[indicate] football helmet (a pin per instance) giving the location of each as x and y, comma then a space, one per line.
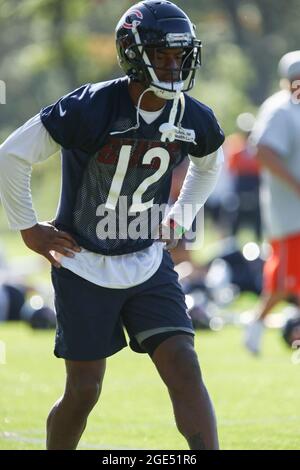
157, 24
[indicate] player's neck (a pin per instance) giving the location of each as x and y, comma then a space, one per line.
150, 102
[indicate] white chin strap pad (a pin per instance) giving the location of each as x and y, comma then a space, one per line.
168, 129
168, 132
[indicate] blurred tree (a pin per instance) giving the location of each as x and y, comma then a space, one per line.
264, 30
49, 47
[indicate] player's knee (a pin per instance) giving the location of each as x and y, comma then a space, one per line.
185, 375
188, 367
84, 393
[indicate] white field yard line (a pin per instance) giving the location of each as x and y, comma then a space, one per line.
27, 436
19, 437
260, 421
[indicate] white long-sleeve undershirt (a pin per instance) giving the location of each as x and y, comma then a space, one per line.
28, 145
200, 181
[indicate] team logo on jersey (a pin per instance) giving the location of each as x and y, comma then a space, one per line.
134, 23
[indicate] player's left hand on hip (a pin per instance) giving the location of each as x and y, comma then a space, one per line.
169, 234
170, 244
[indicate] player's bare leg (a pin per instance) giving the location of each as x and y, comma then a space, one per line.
68, 417
268, 302
254, 331
178, 366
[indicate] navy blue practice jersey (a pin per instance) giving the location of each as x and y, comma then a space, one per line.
114, 182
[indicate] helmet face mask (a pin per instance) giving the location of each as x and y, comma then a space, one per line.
153, 26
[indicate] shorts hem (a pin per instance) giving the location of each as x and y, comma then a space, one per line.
95, 357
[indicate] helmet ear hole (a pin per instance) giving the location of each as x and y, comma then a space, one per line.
130, 54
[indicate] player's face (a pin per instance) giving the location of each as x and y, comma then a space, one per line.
167, 63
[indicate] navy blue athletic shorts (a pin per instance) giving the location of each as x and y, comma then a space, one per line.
91, 319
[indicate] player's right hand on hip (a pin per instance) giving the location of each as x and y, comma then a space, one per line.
43, 238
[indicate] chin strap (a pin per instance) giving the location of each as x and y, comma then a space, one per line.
168, 129
137, 126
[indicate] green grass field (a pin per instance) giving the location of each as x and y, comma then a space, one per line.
256, 400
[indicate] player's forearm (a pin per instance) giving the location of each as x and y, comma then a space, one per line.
199, 183
271, 161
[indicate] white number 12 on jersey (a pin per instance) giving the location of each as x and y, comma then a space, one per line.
119, 176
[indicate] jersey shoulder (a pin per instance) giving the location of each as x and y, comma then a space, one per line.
209, 134
77, 119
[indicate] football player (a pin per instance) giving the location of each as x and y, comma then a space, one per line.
120, 141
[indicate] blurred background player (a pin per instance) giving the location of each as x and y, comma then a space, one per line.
276, 136
244, 168
234, 204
